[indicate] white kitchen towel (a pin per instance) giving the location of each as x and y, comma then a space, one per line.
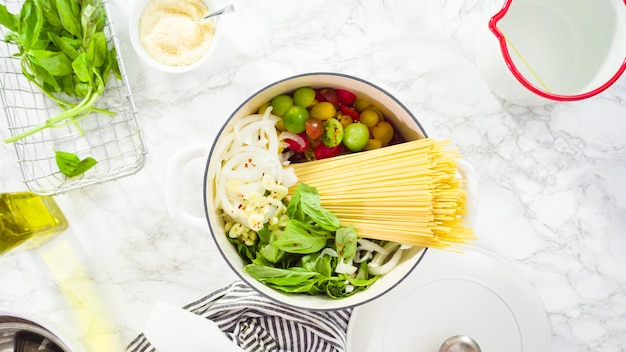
258, 324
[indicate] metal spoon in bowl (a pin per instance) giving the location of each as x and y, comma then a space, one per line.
227, 9
459, 343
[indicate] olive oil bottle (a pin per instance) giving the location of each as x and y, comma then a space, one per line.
29, 219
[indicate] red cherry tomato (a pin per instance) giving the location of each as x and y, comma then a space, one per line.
345, 97
323, 152
329, 95
314, 128
297, 147
346, 110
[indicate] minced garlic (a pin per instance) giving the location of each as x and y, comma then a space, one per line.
170, 32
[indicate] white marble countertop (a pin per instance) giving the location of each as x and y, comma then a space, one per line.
552, 179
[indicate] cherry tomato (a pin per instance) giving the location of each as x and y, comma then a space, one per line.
373, 144
370, 118
280, 104
345, 120
323, 110
345, 97
346, 110
323, 152
297, 147
304, 96
356, 136
333, 133
329, 95
263, 107
383, 131
295, 119
314, 128
361, 104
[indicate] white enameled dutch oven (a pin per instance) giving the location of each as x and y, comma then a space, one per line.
393, 110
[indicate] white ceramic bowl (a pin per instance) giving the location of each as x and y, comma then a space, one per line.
393, 110
133, 32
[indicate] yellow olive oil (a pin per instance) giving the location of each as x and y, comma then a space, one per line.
29, 219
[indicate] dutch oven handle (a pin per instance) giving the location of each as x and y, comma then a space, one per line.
174, 182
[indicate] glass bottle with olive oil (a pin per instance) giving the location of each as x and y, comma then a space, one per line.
28, 219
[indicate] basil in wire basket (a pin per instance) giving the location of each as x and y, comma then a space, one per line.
63, 50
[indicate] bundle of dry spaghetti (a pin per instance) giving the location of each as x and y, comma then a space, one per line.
408, 193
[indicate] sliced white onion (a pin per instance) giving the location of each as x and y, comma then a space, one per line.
367, 245
248, 154
375, 268
345, 268
358, 258
330, 252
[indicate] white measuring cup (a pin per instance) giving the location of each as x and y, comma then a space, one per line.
534, 52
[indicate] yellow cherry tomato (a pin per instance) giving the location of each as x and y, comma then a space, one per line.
360, 104
369, 118
345, 120
263, 107
373, 144
383, 132
323, 110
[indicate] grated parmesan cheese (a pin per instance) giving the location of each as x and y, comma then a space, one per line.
170, 32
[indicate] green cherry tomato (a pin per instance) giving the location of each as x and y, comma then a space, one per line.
304, 97
280, 104
295, 118
355, 136
333, 133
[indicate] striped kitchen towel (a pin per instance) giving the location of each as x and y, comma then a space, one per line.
258, 324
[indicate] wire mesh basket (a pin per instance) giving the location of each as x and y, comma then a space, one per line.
116, 142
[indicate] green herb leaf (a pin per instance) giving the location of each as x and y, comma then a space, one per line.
7, 19
306, 202
302, 238
82, 68
71, 165
318, 263
54, 62
97, 52
67, 45
30, 23
68, 15
346, 242
50, 12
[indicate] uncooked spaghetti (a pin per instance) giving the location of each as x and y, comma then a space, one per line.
407, 193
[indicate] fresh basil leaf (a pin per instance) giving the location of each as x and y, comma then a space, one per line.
54, 62
69, 46
7, 19
318, 263
71, 165
67, 85
287, 280
82, 68
97, 52
50, 12
30, 23
298, 238
271, 252
346, 242
306, 202
92, 18
68, 15
81, 89
40, 75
